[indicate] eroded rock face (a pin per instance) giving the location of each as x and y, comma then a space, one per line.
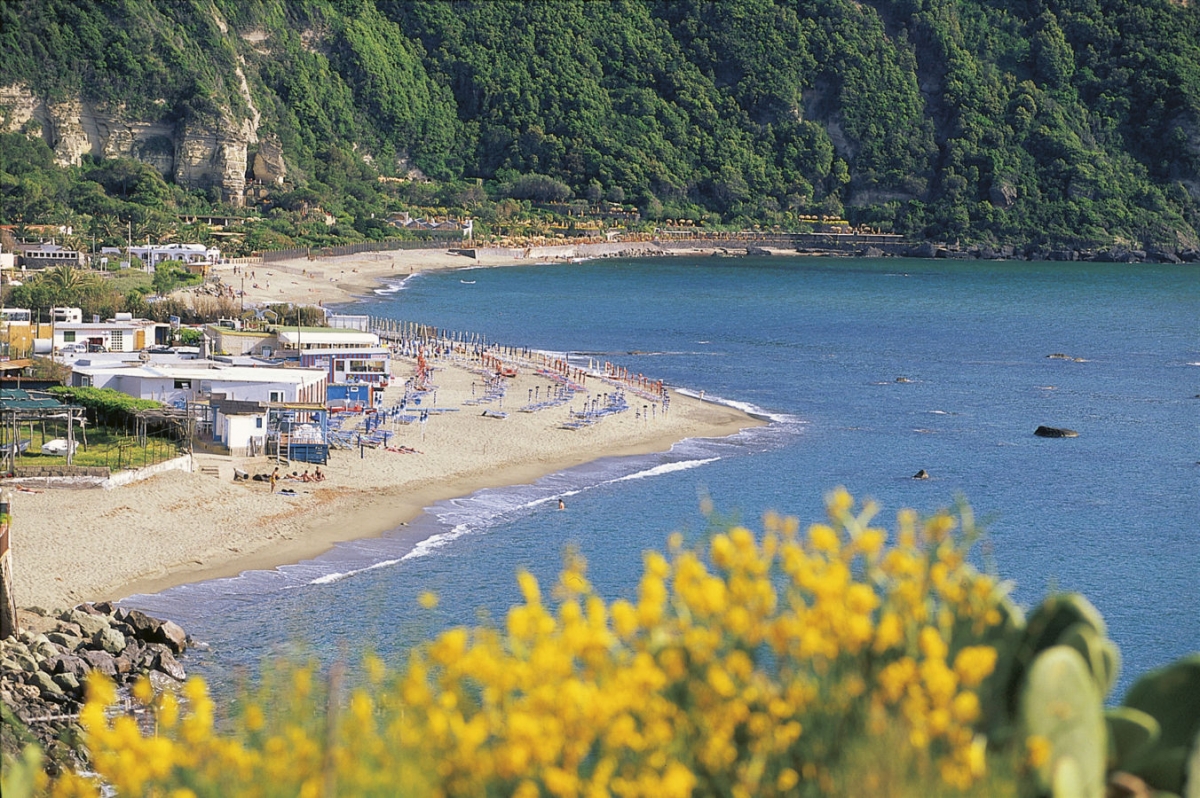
196, 154
18, 107
207, 156
269, 167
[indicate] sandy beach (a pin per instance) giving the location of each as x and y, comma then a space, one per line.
71, 546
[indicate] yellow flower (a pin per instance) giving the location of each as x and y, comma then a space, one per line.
529, 588
965, 708
974, 664
932, 644
142, 690
1037, 750
823, 538
889, 632
677, 782
839, 501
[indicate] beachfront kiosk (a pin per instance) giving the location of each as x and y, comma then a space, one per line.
298, 432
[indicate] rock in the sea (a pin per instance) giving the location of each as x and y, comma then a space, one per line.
1055, 432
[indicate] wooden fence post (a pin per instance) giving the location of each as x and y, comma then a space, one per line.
8, 602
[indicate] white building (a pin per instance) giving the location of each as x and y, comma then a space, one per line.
293, 341
122, 334
66, 315
178, 384
364, 364
286, 342
190, 254
240, 426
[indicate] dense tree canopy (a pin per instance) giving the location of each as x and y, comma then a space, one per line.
1074, 121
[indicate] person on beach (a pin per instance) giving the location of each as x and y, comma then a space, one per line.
318, 476
274, 478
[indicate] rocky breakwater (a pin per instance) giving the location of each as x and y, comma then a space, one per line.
44, 667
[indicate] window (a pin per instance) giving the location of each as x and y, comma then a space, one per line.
68, 336
277, 397
117, 342
364, 366
183, 385
258, 422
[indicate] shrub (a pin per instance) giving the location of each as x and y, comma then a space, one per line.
747, 666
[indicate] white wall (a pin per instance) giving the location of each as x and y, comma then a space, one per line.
238, 431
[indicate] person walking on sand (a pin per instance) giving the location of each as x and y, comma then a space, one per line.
274, 478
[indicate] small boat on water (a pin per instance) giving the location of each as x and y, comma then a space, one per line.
467, 282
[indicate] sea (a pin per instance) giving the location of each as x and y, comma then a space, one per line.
867, 370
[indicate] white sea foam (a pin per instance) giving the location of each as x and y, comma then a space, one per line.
666, 468
329, 579
745, 407
395, 287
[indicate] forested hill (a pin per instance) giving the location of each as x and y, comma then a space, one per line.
1072, 121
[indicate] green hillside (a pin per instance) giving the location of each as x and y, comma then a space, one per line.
1070, 122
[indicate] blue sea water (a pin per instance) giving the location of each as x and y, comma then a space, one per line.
869, 369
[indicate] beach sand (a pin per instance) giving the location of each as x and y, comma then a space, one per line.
71, 546
341, 279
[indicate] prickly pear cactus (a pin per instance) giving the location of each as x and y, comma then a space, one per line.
1045, 628
1192, 789
1055, 615
1172, 696
1061, 703
1131, 733
995, 692
1100, 653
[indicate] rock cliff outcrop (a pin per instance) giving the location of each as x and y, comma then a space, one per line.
195, 153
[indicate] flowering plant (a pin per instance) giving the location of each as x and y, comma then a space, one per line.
748, 666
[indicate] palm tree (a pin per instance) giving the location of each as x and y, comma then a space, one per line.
67, 278
109, 228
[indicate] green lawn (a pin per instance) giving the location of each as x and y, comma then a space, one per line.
110, 449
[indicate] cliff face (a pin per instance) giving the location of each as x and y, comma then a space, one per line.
194, 154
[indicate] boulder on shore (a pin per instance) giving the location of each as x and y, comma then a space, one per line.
44, 666
1055, 432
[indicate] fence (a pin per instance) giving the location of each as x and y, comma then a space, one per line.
435, 240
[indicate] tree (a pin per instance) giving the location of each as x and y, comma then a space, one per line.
169, 275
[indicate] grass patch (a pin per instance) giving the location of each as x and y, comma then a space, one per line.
105, 448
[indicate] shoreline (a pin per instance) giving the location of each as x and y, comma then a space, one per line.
377, 517
178, 527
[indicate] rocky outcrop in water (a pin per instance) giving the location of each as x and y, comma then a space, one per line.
44, 668
1055, 432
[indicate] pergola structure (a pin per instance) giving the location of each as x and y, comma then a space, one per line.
18, 408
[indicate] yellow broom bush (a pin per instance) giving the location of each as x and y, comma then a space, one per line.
749, 666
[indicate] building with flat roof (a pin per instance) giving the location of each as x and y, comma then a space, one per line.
189, 254
122, 334
46, 256
178, 384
